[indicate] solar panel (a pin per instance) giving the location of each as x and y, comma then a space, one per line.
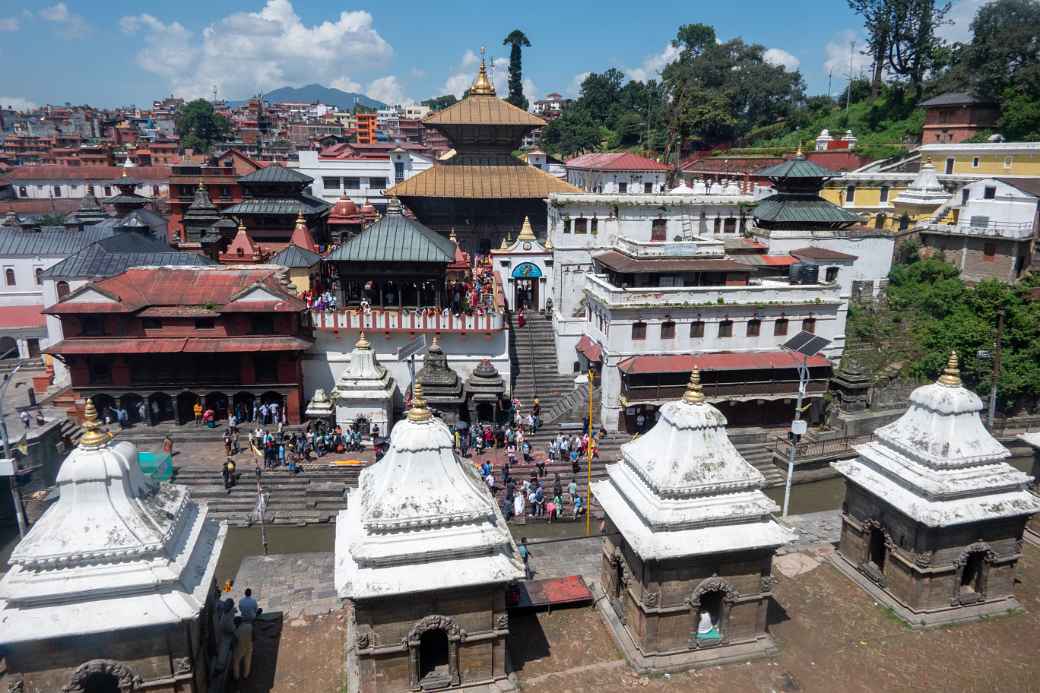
806, 343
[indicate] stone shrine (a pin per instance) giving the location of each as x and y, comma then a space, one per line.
442, 385
933, 516
424, 557
320, 408
485, 392
688, 544
364, 390
113, 588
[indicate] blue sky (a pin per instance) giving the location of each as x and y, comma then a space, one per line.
121, 51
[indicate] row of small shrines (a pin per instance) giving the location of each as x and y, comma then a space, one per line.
365, 391
114, 586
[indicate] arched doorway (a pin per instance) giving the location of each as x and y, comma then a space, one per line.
132, 404
105, 406
526, 277
877, 549
186, 406
103, 676
711, 602
160, 408
243, 402
218, 402
433, 658
101, 682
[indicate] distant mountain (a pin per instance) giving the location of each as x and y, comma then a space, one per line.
344, 100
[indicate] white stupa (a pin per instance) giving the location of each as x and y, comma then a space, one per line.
364, 389
683, 489
117, 551
925, 190
937, 463
421, 520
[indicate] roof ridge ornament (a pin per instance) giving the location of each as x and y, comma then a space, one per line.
419, 411
482, 86
526, 232
93, 437
951, 375
362, 342
694, 391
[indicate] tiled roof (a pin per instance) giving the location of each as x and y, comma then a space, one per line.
278, 206
790, 208
117, 253
822, 254
953, 98
483, 110
296, 257
718, 361
471, 176
276, 174
615, 161
90, 173
798, 167
52, 241
20, 317
187, 345
396, 238
1026, 185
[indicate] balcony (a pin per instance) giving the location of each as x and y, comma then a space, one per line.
762, 292
407, 320
1014, 231
696, 247
745, 390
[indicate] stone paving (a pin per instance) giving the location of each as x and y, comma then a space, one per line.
297, 584
814, 529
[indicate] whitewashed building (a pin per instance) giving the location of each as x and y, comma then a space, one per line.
358, 172
364, 390
523, 268
617, 173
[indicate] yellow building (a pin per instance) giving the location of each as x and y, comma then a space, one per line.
1004, 159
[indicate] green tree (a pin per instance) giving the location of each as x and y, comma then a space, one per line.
877, 20
1004, 51
439, 103
200, 127
517, 41
914, 46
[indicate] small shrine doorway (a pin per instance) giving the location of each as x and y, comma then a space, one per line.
877, 549
433, 658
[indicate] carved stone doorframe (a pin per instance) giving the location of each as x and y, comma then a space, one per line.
961, 564
413, 641
128, 680
729, 593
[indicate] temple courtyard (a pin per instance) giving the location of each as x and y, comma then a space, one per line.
831, 636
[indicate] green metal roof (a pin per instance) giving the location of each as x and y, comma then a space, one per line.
396, 238
279, 206
797, 167
296, 257
276, 174
810, 209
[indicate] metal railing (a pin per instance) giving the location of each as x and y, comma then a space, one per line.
764, 388
994, 229
814, 449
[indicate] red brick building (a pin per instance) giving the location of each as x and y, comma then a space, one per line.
220, 178
168, 337
955, 116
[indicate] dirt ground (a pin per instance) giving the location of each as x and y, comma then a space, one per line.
831, 635
303, 655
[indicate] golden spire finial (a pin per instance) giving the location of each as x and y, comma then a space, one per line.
694, 391
452, 236
241, 226
928, 161
201, 186
526, 232
93, 436
362, 342
505, 243
548, 244
300, 219
419, 411
435, 345
951, 375
482, 85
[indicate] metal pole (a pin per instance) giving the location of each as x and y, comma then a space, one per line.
996, 367
588, 465
16, 498
261, 505
803, 381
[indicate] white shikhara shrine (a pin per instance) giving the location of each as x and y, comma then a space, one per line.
364, 389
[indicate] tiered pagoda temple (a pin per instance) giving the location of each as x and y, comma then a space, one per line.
365, 390
424, 557
688, 544
482, 191
273, 197
205, 228
90, 210
113, 588
933, 517
797, 204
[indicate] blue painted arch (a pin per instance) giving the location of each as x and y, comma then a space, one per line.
527, 270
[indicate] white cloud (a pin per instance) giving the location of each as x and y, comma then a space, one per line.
389, 90
67, 23
8, 24
346, 84
959, 19
652, 66
781, 58
18, 103
249, 51
574, 88
498, 71
837, 52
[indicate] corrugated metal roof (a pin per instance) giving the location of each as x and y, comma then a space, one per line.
276, 174
483, 110
295, 256
619, 262
814, 253
396, 238
953, 98
167, 345
615, 161
479, 177
718, 361
96, 260
798, 167
279, 206
53, 241
786, 207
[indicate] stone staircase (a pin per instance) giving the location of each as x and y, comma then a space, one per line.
532, 350
755, 444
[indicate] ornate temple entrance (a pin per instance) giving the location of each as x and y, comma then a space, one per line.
526, 277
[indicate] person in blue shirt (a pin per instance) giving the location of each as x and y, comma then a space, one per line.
525, 554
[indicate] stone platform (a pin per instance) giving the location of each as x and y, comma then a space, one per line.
297, 584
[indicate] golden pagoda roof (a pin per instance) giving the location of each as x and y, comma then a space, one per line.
483, 110
482, 177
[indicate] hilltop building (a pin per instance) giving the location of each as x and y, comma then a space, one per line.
688, 544
953, 117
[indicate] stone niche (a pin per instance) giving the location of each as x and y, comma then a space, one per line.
431, 641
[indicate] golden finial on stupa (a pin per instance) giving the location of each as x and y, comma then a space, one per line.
124, 173
452, 236
505, 243
435, 345
526, 232
951, 375
300, 219
694, 391
241, 226
482, 85
93, 436
201, 186
362, 342
548, 244
419, 410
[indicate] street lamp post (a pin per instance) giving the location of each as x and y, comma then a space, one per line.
804, 344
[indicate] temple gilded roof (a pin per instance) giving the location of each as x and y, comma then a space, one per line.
483, 110
476, 176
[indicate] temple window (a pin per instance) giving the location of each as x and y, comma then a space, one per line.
648, 188
754, 327
726, 328
262, 324
9, 276
659, 230
581, 225
832, 275
594, 226
38, 272
622, 187
709, 616
205, 323
850, 194
780, 327
352, 183
668, 330
638, 331
730, 225
566, 225
91, 326
697, 329
809, 325
883, 195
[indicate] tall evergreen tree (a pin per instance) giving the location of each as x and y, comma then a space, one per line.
517, 42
